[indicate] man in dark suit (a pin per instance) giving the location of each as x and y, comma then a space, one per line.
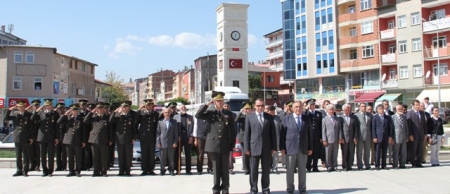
316, 127
23, 136
331, 136
277, 121
296, 143
201, 129
86, 150
350, 135
74, 138
388, 113
220, 140
186, 127
61, 152
147, 120
167, 140
100, 138
364, 129
429, 124
400, 137
35, 160
417, 134
260, 143
125, 132
382, 131
240, 122
48, 135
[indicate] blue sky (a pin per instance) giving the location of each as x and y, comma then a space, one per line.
134, 38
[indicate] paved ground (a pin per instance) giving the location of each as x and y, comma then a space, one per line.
425, 180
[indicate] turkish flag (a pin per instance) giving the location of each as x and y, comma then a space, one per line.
235, 63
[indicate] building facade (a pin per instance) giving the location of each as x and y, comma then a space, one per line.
100, 90
7, 38
270, 83
205, 71
155, 80
141, 90
188, 87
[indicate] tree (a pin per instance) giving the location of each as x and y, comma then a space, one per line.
180, 99
115, 92
254, 84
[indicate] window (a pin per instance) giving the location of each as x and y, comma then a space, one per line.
367, 51
353, 31
331, 62
17, 57
443, 69
392, 73
437, 14
297, 25
366, 27
366, 4
416, 44
38, 83
270, 79
29, 57
391, 24
319, 64
330, 40
324, 16
442, 42
402, 45
316, 4
351, 9
304, 45
392, 48
318, 42
415, 19
74, 88
353, 54
322, 3
403, 72
305, 66
401, 21
325, 63
235, 83
76, 65
330, 15
303, 24
83, 67
17, 83
317, 22
303, 6
418, 70
324, 38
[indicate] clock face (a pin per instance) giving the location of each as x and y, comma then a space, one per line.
235, 35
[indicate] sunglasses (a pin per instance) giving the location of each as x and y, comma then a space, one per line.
259, 105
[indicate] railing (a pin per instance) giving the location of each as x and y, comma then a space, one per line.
438, 24
387, 34
383, 3
430, 52
348, 40
275, 55
389, 58
347, 17
349, 63
344, 1
274, 43
392, 83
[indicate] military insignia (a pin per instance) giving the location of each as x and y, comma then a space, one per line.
188, 122
226, 123
317, 115
129, 123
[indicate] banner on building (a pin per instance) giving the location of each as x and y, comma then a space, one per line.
55, 87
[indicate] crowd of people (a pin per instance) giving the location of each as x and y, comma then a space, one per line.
84, 136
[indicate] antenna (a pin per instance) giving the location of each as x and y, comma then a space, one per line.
10, 28
428, 74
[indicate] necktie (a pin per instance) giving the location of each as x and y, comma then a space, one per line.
365, 119
260, 119
401, 121
382, 118
332, 121
418, 115
346, 119
299, 123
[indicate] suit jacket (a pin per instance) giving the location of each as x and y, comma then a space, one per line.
101, 132
316, 122
296, 139
260, 140
277, 122
23, 130
331, 129
221, 136
125, 129
364, 127
147, 122
166, 137
349, 129
189, 124
401, 134
240, 123
48, 129
74, 133
417, 127
382, 129
390, 113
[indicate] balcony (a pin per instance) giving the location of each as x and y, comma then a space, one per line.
348, 40
349, 63
442, 24
431, 54
390, 58
387, 35
385, 3
347, 19
274, 43
340, 2
275, 55
391, 83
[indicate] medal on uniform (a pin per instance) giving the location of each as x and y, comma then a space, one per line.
188, 122
129, 123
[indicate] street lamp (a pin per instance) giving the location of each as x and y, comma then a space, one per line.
438, 61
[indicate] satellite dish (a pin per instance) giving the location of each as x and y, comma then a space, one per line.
275, 104
428, 74
383, 77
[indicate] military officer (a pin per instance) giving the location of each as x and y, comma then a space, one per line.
316, 127
287, 109
61, 152
48, 135
125, 132
100, 138
240, 122
220, 140
86, 150
74, 138
147, 120
34, 147
23, 136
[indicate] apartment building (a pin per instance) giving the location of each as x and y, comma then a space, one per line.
101, 88
141, 90
205, 71
155, 80
188, 87
7, 38
270, 83
310, 50
177, 84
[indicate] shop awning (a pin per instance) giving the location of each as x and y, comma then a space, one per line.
433, 94
389, 97
368, 97
332, 101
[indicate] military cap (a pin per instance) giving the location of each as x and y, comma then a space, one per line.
91, 105
171, 104
149, 101
246, 105
311, 101
21, 103
217, 95
75, 106
36, 102
60, 105
100, 105
125, 103
105, 104
289, 103
271, 108
48, 101
83, 101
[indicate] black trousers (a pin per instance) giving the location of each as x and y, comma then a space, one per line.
87, 156
415, 152
35, 155
184, 143
61, 156
100, 158
381, 153
22, 150
348, 154
245, 158
221, 164
47, 148
111, 155
148, 156
266, 161
125, 152
75, 162
316, 154
201, 155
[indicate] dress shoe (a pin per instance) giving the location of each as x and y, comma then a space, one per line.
151, 173
128, 174
96, 175
359, 169
231, 172
225, 192
25, 174
385, 168
329, 170
247, 172
50, 175
58, 169
308, 170
199, 173
276, 172
350, 169
396, 168
189, 173
105, 175
44, 175
18, 174
423, 162
345, 169
78, 175
144, 174
171, 173
402, 167
70, 174
438, 164
378, 168
121, 174
419, 166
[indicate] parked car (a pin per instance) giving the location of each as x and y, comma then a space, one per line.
444, 113
137, 152
8, 141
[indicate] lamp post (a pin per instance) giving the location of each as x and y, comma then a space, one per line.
438, 62
264, 80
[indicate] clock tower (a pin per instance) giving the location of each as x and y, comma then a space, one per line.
232, 43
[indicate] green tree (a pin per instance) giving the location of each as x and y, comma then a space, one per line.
160, 103
180, 99
254, 84
115, 92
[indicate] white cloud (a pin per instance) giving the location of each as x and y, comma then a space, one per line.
124, 47
252, 39
162, 40
106, 47
185, 40
136, 38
